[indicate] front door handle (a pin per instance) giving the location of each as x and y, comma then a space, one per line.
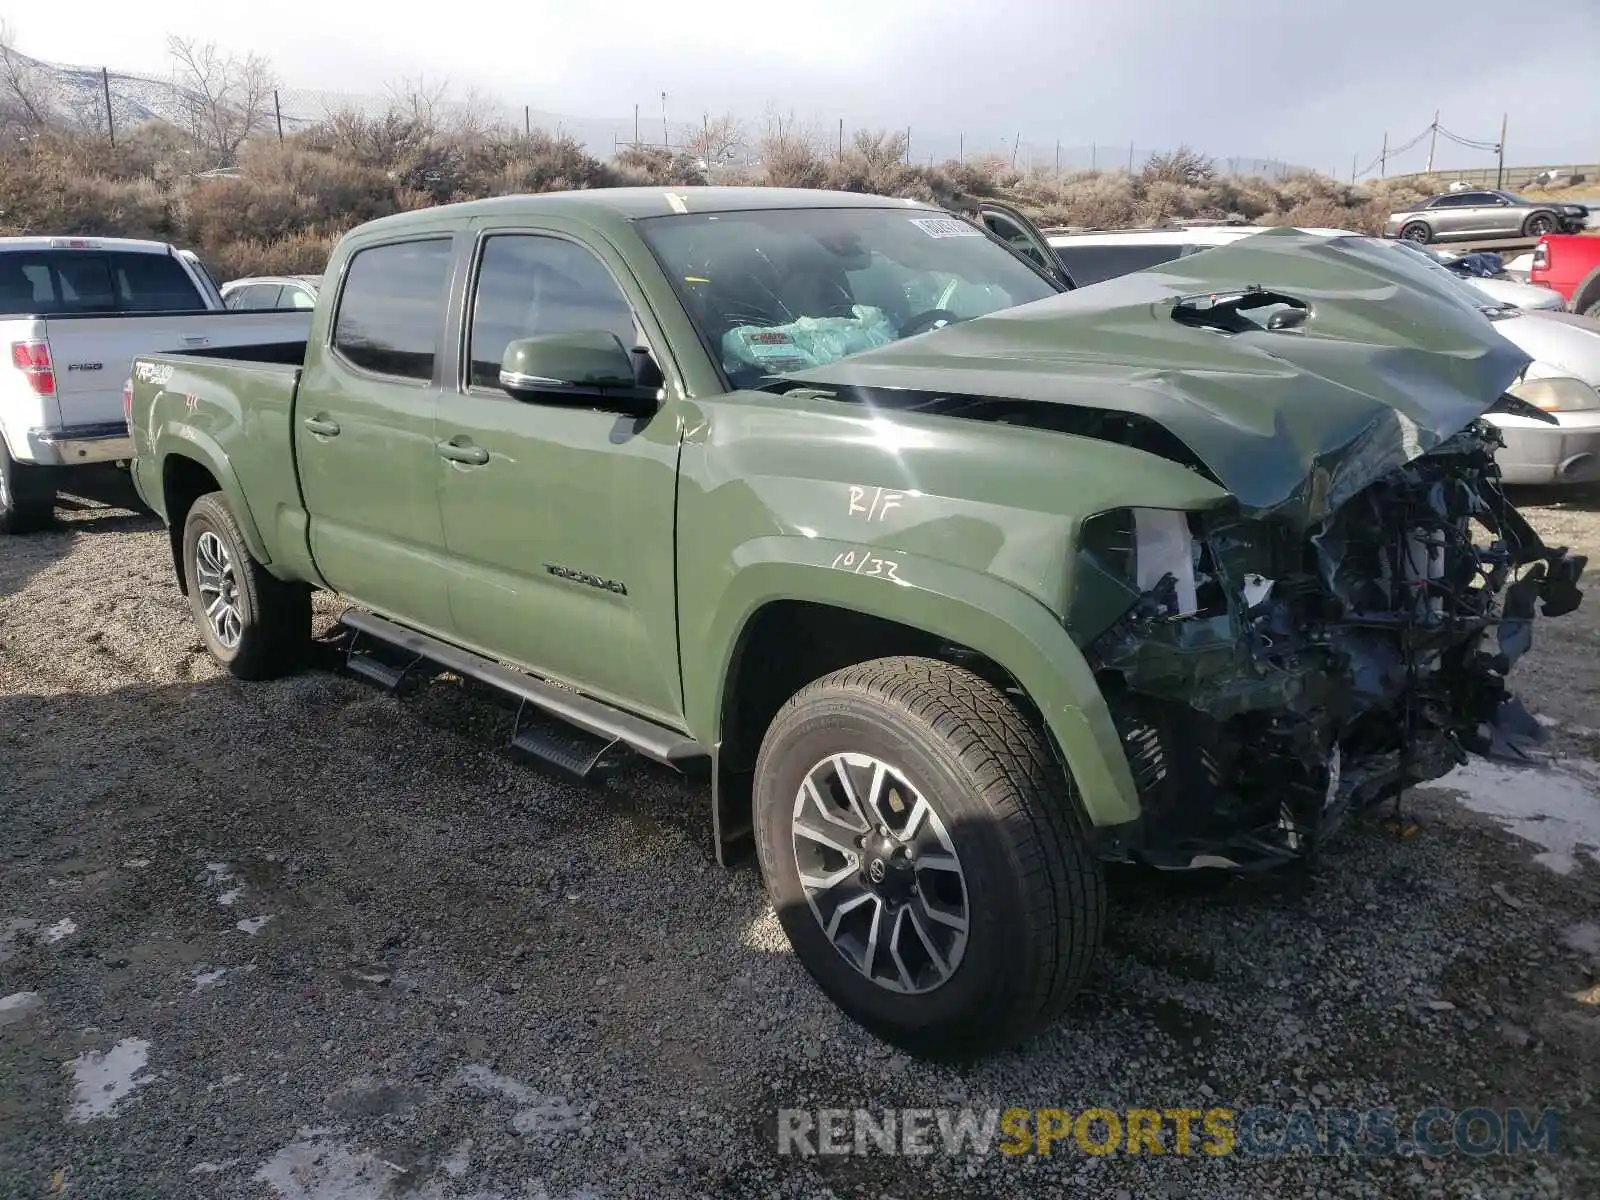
322, 426
455, 452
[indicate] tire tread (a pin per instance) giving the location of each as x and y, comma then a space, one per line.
1035, 803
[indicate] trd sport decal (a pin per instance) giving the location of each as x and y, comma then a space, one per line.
594, 581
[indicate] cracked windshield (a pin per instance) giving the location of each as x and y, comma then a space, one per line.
779, 290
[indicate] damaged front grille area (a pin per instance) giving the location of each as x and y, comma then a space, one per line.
1267, 683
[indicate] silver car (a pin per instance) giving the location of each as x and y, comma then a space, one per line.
272, 291
1483, 214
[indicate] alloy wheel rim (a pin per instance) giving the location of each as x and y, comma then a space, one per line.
881, 875
219, 589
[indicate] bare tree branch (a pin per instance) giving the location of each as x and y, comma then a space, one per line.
716, 139
24, 90
224, 97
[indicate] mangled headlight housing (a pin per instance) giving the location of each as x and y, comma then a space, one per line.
1135, 549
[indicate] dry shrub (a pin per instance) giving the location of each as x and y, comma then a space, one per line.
303, 253
43, 190
652, 166
289, 203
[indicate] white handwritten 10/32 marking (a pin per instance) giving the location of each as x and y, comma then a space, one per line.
878, 507
864, 562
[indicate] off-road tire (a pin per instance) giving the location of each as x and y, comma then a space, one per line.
1036, 891
1409, 232
275, 615
27, 495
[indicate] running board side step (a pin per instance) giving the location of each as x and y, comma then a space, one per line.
599, 730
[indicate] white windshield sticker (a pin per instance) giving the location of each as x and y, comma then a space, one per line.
943, 227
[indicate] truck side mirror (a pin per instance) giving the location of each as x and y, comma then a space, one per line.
590, 365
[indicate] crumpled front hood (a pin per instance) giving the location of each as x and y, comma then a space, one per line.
1391, 362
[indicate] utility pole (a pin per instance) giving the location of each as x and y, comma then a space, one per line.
665, 139
1130, 158
1354, 159
1433, 139
1383, 158
1500, 168
1058, 156
105, 87
841, 139
1015, 146
961, 147
635, 126
277, 112
527, 120
908, 145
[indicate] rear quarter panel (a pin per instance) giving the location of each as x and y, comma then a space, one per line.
234, 419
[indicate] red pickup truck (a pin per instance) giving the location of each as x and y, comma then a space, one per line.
1570, 263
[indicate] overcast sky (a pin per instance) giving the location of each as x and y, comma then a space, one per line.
1311, 83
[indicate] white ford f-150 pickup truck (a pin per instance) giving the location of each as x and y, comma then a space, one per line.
74, 313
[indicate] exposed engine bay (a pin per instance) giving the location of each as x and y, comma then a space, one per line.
1267, 681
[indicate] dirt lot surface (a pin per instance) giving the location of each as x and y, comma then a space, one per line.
306, 940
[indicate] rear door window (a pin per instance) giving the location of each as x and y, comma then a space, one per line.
1095, 264
49, 283
392, 310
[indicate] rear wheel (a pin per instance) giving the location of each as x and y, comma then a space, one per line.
27, 494
253, 623
1538, 225
1417, 231
927, 856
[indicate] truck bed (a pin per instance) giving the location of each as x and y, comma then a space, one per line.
241, 397
91, 355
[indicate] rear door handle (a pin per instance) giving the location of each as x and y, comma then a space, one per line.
477, 456
322, 426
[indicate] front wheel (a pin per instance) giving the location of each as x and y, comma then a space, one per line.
254, 624
927, 856
1538, 225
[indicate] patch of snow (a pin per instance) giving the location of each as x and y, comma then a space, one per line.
138, 864
62, 928
218, 873
1584, 937
1554, 807
252, 925
537, 1113
208, 979
1547, 722
18, 1005
213, 1168
230, 897
103, 1079
460, 1159
316, 1166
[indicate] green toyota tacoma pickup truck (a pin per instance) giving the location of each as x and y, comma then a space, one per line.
957, 582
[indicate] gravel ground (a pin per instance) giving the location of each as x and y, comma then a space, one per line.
306, 940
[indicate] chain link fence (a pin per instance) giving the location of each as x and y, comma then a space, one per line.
117, 103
